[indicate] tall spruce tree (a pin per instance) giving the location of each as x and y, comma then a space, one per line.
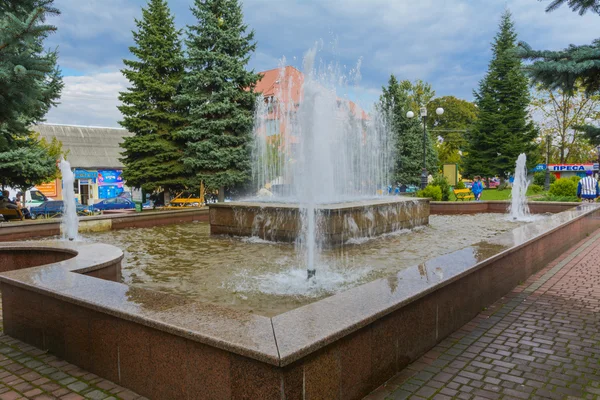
569, 68
218, 92
153, 156
504, 128
395, 102
30, 83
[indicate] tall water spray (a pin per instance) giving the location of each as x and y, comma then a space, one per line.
316, 147
518, 206
70, 222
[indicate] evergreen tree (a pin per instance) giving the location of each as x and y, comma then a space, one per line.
30, 84
153, 156
567, 69
503, 129
395, 102
219, 94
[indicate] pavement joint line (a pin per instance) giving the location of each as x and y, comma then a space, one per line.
505, 309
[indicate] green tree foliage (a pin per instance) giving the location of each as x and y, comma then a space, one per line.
26, 164
153, 156
408, 135
580, 6
571, 68
561, 113
218, 92
451, 127
539, 178
503, 129
30, 84
419, 94
567, 68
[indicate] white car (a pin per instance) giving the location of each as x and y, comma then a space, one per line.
33, 197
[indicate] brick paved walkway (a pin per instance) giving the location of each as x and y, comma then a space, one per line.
30, 373
540, 342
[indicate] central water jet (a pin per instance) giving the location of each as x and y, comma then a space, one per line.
322, 156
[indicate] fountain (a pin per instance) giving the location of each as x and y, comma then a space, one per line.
326, 162
519, 210
70, 222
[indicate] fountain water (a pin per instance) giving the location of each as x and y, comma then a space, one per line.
70, 222
328, 150
519, 210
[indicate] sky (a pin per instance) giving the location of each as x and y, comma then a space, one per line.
445, 43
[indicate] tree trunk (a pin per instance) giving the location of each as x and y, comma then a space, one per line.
167, 197
222, 194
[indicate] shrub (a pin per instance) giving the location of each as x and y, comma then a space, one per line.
575, 178
539, 178
535, 189
444, 185
566, 187
502, 186
460, 185
549, 197
432, 191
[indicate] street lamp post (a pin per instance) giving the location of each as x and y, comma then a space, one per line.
547, 180
423, 112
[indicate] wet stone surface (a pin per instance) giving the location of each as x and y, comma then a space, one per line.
268, 278
540, 342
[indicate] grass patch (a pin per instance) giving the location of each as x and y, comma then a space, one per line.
494, 194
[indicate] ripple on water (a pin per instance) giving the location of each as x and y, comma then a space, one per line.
269, 278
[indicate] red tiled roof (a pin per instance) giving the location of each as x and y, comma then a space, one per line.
276, 83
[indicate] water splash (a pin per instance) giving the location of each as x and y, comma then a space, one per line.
519, 210
312, 146
69, 222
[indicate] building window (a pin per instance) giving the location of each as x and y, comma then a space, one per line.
76, 186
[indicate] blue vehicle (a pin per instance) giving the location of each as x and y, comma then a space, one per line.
54, 208
116, 203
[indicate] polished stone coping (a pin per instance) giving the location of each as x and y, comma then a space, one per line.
284, 338
360, 204
236, 331
57, 221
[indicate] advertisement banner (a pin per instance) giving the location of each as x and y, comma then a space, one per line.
49, 189
110, 183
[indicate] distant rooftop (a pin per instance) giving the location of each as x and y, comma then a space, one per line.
89, 147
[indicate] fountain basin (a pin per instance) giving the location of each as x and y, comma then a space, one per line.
341, 347
337, 222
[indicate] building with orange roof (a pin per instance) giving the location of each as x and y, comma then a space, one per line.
282, 90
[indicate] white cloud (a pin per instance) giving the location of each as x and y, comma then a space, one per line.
445, 43
90, 100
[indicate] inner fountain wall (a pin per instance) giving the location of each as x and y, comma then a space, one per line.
337, 222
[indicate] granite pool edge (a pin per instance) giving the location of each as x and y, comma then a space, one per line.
283, 354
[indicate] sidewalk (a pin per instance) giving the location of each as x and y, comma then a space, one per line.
542, 341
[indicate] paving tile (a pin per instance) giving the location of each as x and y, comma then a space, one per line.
540, 341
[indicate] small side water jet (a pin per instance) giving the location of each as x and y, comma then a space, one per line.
70, 222
519, 210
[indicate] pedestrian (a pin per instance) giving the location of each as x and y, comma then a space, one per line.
477, 188
6, 203
587, 188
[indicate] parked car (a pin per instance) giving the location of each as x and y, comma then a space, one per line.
54, 208
115, 203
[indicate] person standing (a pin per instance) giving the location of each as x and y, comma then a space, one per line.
477, 188
587, 188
